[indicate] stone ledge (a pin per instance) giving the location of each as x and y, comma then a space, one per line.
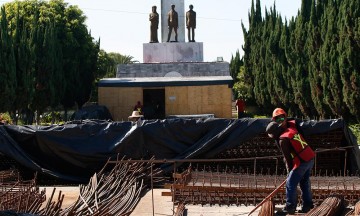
184, 69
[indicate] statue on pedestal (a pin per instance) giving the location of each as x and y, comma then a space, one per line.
191, 23
154, 25
173, 22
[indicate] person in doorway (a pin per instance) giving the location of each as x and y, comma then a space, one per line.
191, 23
240, 107
138, 107
298, 158
154, 25
173, 22
159, 110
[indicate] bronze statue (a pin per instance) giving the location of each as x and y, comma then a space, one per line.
173, 22
154, 25
191, 23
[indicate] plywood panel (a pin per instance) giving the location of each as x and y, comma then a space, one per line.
176, 100
200, 100
170, 100
179, 100
120, 101
194, 98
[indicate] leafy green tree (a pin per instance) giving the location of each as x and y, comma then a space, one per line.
64, 53
241, 88
79, 59
106, 65
117, 59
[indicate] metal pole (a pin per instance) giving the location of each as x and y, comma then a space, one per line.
345, 163
173, 189
152, 189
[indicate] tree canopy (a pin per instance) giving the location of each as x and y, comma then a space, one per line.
48, 56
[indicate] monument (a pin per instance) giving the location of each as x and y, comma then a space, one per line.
165, 9
154, 20
173, 75
172, 48
191, 23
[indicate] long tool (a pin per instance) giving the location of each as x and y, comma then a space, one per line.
268, 197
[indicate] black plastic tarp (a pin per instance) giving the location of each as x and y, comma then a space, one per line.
75, 151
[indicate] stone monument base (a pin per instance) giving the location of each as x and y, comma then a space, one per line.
173, 52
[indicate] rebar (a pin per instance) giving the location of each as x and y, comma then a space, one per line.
115, 192
331, 206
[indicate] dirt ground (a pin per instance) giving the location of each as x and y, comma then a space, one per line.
71, 194
154, 204
161, 206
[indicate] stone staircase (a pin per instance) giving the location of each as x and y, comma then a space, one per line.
233, 110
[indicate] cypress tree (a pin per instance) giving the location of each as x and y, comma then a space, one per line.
251, 50
312, 47
331, 84
270, 43
348, 51
24, 55
235, 64
57, 80
311, 64
284, 85
7, 65
301, 84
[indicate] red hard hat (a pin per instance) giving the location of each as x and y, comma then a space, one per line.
277, 112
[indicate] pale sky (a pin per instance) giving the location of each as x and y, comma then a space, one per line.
123, 25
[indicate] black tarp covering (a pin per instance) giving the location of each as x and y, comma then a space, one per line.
75, 151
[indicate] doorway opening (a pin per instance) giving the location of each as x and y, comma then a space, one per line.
154, 103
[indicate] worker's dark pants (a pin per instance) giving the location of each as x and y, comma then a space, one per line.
299, 175
241, 114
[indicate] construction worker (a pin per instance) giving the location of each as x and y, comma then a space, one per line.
299, 160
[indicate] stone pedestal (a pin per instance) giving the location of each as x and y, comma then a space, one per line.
173, 52
184, 69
